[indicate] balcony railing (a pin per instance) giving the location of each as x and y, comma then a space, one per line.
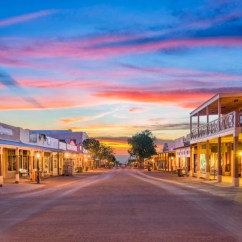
221, 124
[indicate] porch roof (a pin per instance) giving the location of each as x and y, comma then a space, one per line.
228, 101
20, 144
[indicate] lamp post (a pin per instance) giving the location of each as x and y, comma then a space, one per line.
38, 170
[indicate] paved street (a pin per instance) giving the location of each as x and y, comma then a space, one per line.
120, 205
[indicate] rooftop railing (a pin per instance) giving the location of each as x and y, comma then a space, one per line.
223, 123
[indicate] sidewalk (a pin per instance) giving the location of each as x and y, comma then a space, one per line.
226, 181
26, 185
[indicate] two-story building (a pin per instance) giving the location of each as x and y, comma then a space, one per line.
216, 138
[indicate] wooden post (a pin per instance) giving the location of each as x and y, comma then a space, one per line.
31, 163
191, 126
207, 161
219, 114
219, 163
198, 161
191, 161
235, 175
207, 113
1, 167
17, 165
58, 163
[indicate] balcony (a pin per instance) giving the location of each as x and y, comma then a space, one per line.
222, 125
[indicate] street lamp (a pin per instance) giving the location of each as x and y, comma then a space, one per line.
38, 170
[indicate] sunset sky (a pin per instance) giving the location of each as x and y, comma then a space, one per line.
113, 68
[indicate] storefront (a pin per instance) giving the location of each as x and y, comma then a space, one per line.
216, 138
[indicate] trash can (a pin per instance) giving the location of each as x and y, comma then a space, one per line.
179, 172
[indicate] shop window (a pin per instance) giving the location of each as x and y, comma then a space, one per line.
11, 160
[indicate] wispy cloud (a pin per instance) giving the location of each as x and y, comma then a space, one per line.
137, 110
76, 48
188, 98
85, 118
26, 17
13, 86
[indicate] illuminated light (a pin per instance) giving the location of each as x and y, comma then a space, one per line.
38, 155
240, 153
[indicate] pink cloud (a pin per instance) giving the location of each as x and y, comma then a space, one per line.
159, 45
26, 17
76, 48
188, 98
154, 96
186, 73
84, 118
136, 110
53, 83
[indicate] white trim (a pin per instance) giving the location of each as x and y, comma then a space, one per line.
213, 99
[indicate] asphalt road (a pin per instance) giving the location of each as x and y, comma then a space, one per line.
120, 205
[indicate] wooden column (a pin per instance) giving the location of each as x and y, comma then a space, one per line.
219, 163
31, 163
1, 167
235, 175
207, 114
170, 160
17, 165
51, 163
219, 113
198, 161
58, 163
166, 161
41, 159
191, 161
207, 161
190, 126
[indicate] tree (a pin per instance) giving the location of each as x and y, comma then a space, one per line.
92, 145
99, 151
142, 145
106, 153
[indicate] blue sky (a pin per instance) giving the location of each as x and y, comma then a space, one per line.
113, 68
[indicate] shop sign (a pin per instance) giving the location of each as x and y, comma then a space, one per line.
71, 147
6, 131
62, 146
33, 138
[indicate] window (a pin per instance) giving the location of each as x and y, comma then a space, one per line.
11, 160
